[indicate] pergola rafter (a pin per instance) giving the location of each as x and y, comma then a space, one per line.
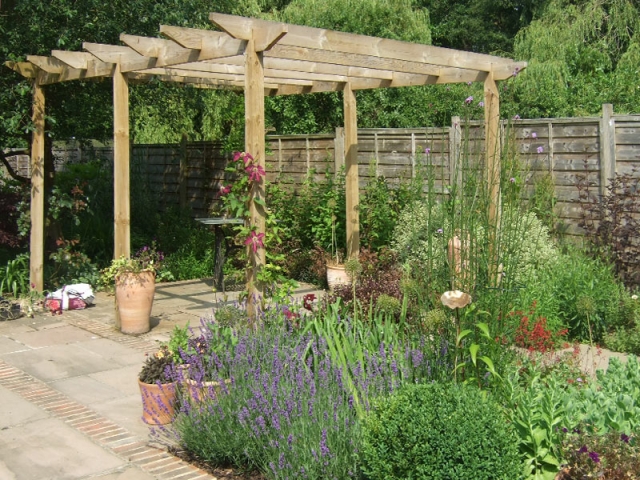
260, 58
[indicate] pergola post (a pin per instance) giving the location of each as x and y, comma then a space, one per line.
255, 145
36, 255
121, 193
352, 178
492, 164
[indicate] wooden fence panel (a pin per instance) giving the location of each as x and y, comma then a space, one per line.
567, 149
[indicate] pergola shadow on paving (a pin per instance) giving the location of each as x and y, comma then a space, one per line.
260, 58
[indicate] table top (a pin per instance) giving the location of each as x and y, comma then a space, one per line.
220, 221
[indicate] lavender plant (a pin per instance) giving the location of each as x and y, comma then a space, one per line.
289, 409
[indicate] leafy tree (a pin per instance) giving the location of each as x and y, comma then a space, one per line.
487, 26
581, 54
393, 107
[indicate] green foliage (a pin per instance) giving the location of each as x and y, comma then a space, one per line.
69, 266
395, 19
625, 336
557, 287
578, 55
379, 208
438, 431
610, 404
178, 344
14, 277
485, 26
534, 406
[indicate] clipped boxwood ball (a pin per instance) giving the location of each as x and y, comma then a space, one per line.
438, 431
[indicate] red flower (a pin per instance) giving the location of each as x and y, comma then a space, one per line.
225, 190
255, 241
256, 172
307, 301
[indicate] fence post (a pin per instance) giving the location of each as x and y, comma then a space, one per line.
184, 174
607, 147
308, 154
455, 143
338, 150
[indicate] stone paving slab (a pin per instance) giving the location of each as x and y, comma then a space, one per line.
58, 362
8, 345
87, 390
62, 334
16, 411
41, 450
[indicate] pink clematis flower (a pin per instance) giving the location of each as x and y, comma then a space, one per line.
225, 190
255, 241
256, 172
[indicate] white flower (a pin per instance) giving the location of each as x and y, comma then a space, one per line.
634, 297
455, 299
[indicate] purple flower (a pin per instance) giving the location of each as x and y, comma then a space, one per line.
517, 117
468, 100
440, 230
624, 438
427, 150
540, 149
512, 180
583, 449
534, 135
594, 456
324, 449
469, 83
481, 104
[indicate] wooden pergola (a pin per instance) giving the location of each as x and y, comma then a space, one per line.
261, 58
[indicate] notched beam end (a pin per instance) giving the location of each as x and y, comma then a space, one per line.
26, 69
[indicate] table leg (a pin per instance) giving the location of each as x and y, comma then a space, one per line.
218, 266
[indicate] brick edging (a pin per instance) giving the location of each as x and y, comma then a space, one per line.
102, 431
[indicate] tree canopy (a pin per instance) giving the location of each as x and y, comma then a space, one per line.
581, 53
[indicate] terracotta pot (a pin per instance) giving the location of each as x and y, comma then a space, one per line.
199, 392
134, 297
336, 275
158, 402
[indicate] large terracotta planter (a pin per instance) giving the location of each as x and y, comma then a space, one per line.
336, 275
134, 297
158, 402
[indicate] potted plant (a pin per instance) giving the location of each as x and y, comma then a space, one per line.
135, 283
336, 273
157, 388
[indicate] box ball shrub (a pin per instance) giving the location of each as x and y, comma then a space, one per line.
438, 431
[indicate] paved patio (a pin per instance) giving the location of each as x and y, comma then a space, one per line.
68, 388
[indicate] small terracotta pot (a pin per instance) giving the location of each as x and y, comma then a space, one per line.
158, 402
134, 297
